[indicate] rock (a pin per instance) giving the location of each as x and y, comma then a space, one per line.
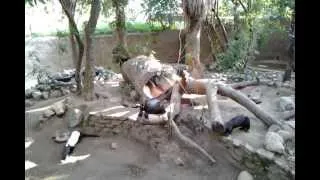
286, 103
265, 154
274, 128
74, 117
48, 113
113, 146
55, 93
29, 103
179, 161
28, 93
255, 96
43, 87
245, 175
36, 95
285, 135
291, 123
59, 108
274, 142
61, 136
45, 95
65, 91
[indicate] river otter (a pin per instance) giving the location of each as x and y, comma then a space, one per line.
239, 121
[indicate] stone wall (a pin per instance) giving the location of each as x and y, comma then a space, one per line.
55, 53
263, 164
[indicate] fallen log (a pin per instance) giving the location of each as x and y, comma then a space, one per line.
215, 115
247, 103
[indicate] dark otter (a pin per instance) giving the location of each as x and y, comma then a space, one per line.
239, 121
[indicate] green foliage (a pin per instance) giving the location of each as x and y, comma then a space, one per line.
235, 56
161, 11
33, 2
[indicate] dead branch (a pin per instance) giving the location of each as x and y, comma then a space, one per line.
190, 142
174, 110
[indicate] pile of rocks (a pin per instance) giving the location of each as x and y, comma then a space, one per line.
62, 83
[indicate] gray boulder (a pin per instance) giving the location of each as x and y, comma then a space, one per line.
59, 108
286, 103
74, 117
245, 175
48, 113
36, 95
55, 93
274, 142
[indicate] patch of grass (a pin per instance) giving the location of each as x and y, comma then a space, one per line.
105, 29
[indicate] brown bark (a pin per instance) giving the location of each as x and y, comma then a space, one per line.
89, 30
192, 47
215, 115
65, 4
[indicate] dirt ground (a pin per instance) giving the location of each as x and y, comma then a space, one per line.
133, 159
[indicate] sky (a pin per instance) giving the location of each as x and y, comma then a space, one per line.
49, 17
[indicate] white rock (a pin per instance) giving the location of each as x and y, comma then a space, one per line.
285, 135
179, 161
274, 128
245, 175
74, 117
48, 113
29, 165
292, 124
59, 108
113, 146
45, 95
274, 142
36, 95
286, 103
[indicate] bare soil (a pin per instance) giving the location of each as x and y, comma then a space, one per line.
135, 159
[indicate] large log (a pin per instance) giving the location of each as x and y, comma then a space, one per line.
250, 105
215, 115
139, 70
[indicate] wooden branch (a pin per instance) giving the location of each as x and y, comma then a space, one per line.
174, 106
174, 110
251, 106
242, 5
215, 115
190, 142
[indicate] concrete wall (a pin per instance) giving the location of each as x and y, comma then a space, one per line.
56, 52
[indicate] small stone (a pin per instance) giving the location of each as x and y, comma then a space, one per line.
36, 95
292, 124
65, 91
179, 162
236, 142
274, 128
59, 108
286, 103
245, 175
45, 95
55, 93
274, 142
285, 135
28, 93
74, 117
113, 146
48, 113
29, 103
265, 154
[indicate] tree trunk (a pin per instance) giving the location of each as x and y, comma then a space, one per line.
192, 47
236, 17
89, 30
215, 115
66, 6
120, 53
